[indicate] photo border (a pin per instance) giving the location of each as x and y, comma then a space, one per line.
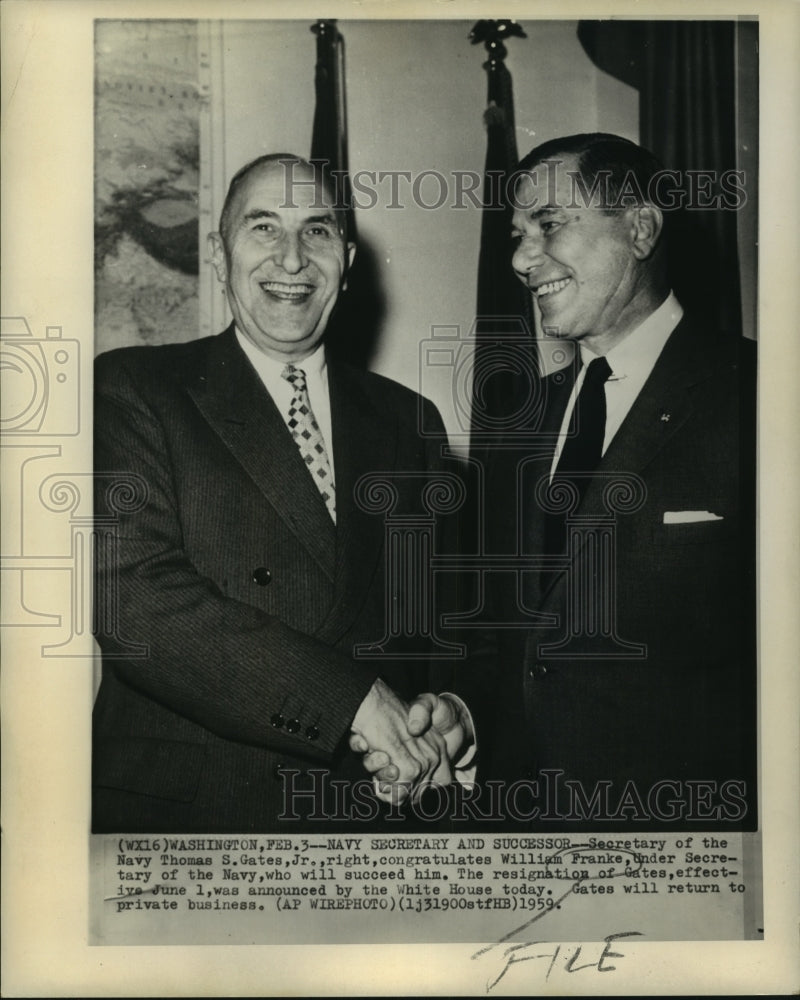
48, 81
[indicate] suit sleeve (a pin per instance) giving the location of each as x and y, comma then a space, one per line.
217, 661
473, 677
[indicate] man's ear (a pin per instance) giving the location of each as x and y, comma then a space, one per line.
351, 256
216, 248
647, 223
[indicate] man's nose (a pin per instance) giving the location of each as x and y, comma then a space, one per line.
290, 253
528, 255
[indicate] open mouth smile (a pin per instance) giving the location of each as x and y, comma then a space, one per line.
288, 292
550, 287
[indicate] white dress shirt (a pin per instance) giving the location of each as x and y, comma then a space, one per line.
631, 362
316, 371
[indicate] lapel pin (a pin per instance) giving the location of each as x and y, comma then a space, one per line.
665, 417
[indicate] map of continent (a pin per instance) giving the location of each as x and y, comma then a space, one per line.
147, 109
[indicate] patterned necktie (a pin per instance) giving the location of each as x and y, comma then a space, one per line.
308, 437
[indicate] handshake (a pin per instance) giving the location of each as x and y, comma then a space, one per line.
408, 748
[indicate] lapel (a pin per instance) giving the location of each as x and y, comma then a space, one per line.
559, 386
689, 357
364, 441
662, 407
233, 400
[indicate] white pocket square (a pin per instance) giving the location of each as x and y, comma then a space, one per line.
689, 516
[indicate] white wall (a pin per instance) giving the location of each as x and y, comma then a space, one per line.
416, 92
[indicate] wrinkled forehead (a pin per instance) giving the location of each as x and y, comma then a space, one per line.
547, 184
285, 188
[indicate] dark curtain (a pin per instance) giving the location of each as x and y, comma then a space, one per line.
685, 74
504, 350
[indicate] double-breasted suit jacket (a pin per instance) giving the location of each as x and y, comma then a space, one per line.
674, 699
244, 600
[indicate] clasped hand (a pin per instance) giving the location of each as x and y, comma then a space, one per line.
407, 748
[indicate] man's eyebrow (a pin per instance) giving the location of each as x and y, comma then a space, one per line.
328, 218
537, 213
259, 213
263, 213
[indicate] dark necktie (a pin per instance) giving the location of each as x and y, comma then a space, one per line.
308, 437
583, 447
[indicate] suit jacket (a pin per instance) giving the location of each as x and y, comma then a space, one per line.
231, 576
682, 709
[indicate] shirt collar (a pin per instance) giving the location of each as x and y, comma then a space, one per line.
271, 368
640, 349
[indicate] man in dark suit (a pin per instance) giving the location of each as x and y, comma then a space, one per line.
637, 681
240, 572
620, 687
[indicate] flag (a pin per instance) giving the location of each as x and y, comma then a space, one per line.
329, 131
504, 366
355, 321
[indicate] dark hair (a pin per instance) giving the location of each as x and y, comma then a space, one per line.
325, 181
626, 168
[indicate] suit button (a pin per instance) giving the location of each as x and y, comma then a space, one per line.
312, 733
293, 726
538, 671
277, 720
262, 576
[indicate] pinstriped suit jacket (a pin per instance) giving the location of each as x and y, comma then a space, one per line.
185, 736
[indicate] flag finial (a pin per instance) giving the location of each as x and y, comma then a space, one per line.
493, 33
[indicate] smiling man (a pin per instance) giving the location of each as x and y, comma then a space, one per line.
243, 574
282, 255
626, 692
595, 273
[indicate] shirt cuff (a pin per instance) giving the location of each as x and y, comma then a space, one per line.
465, 768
